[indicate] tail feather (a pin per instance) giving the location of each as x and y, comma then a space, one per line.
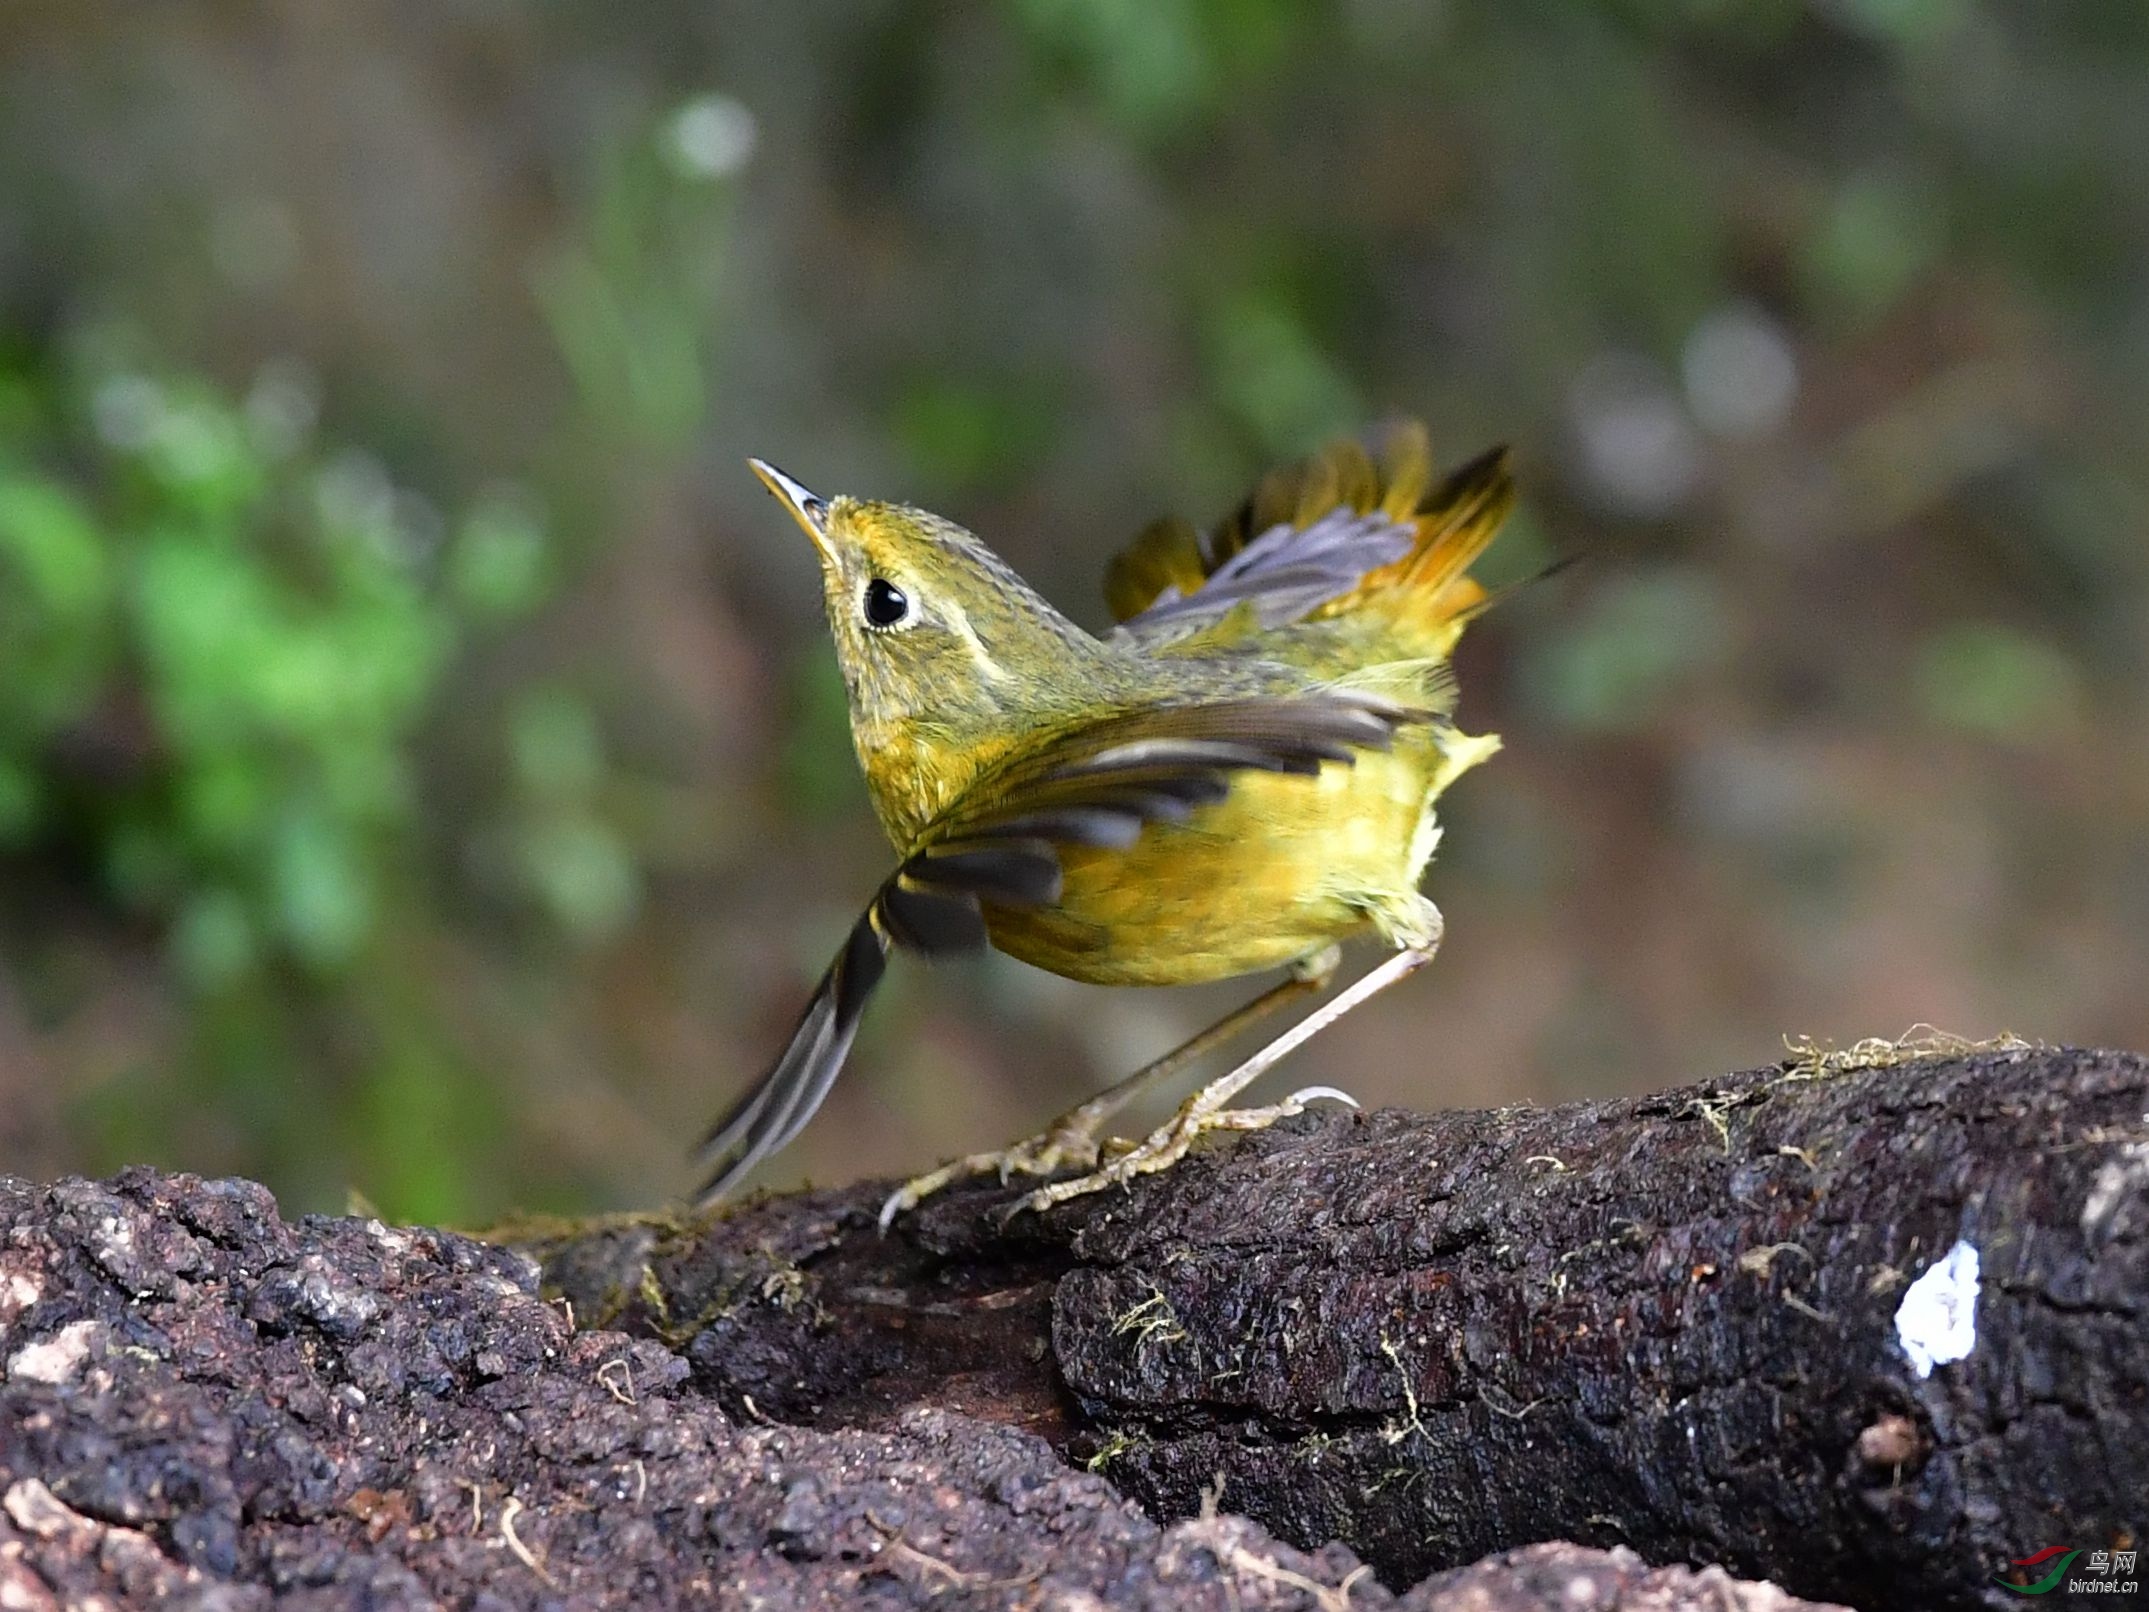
1456, 524
1353, 527
1406, 468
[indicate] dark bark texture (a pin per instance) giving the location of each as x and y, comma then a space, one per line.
1675, 1324
203, 1407
1352, 1362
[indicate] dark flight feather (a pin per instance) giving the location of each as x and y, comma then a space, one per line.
770, 1114
998, 846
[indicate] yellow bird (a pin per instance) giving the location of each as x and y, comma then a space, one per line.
1239, 777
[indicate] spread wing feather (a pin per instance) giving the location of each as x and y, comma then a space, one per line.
769, 1114
998, 846
1310, 538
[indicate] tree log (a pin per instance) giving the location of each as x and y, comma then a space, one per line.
1736, 1326
203, 1407
1870, 1326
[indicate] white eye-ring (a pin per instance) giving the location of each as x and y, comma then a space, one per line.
886, 606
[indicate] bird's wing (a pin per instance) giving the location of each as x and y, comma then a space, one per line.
1098, 784
1308, 538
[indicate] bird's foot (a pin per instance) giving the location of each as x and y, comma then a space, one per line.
1068, 1143
1169, 1143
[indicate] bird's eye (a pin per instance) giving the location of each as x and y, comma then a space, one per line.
886, 604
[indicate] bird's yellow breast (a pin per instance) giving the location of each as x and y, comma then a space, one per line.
1280, 868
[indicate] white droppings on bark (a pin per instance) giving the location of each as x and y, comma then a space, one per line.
1937, 1321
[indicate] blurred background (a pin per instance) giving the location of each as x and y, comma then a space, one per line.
422, 770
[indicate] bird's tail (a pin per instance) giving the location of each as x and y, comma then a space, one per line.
1354, 525
1429, 591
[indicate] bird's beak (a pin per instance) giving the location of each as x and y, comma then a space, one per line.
805, 507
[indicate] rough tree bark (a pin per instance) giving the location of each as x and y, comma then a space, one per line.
1676, 1325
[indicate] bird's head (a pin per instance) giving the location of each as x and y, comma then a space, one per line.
946, 653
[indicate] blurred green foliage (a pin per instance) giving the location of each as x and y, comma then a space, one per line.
1159, 67
420, 766
221, 642
631, 293
1645, 641
1998, 682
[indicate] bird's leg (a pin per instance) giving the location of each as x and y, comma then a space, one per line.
1070, 1142
1205, 1110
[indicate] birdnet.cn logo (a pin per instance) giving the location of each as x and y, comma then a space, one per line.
2105, 1572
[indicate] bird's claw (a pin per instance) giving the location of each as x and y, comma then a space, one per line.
1060, 1147
1169, 1143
